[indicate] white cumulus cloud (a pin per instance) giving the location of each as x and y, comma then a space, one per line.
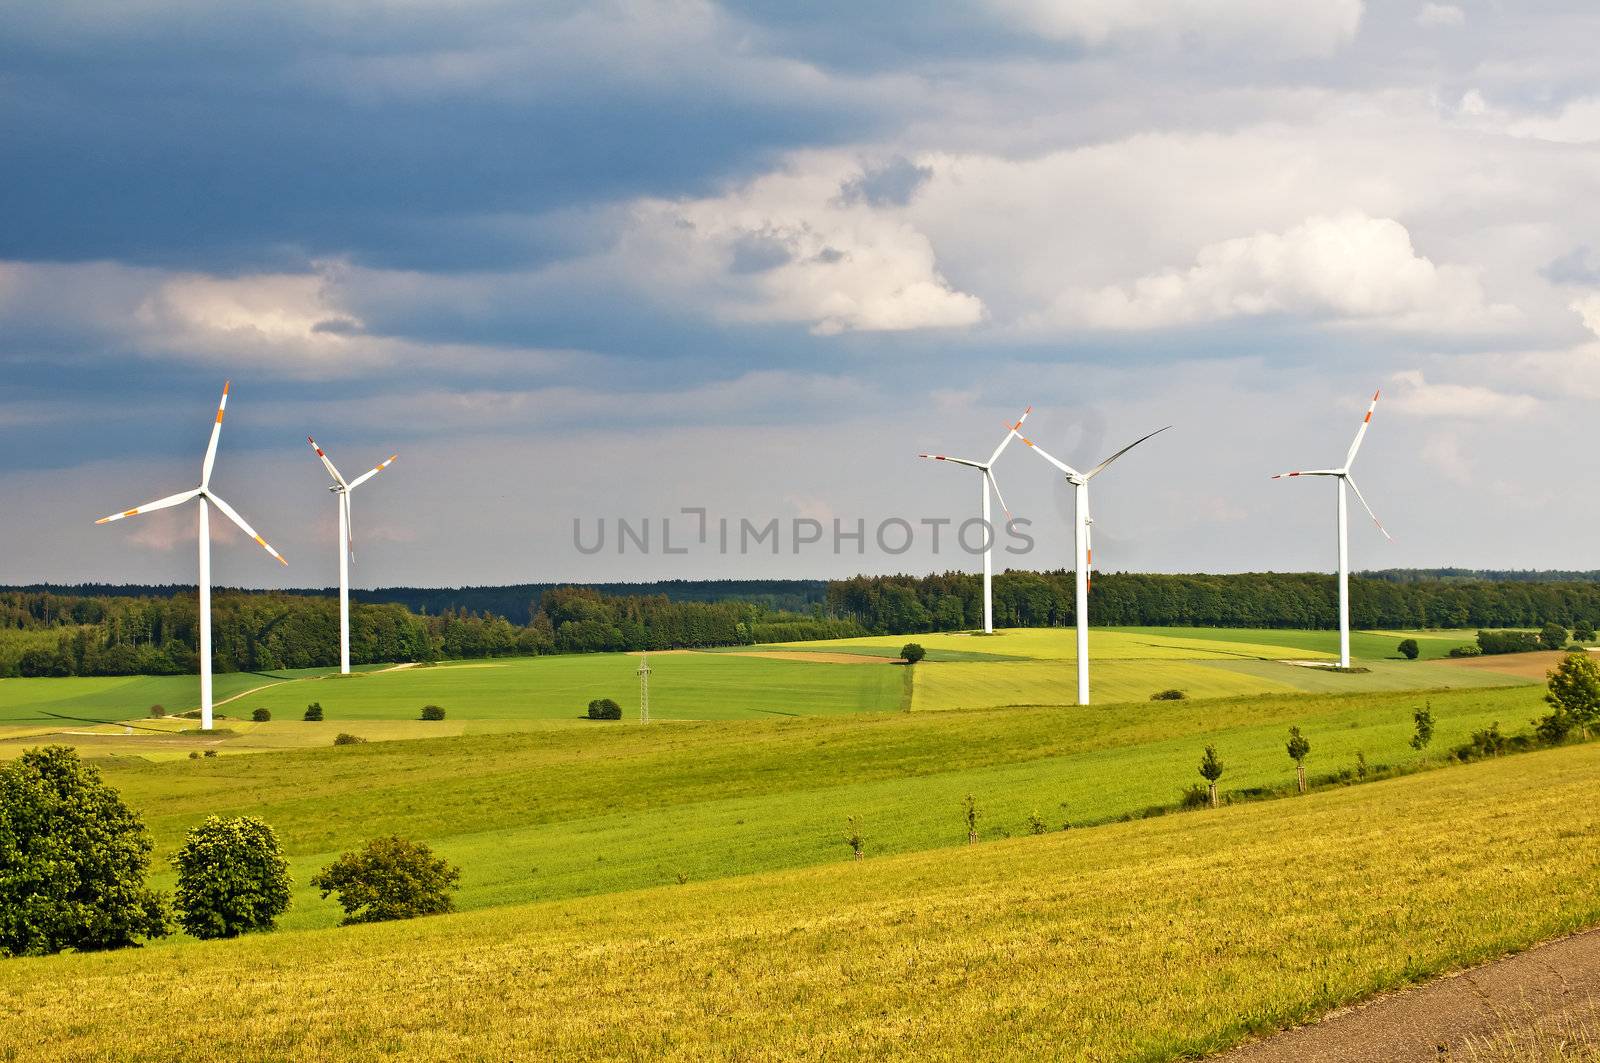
792, 246
1297, 29
1344, 267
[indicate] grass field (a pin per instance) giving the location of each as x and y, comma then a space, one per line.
1155, 939
564, 811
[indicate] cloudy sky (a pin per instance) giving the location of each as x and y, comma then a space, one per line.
578, 262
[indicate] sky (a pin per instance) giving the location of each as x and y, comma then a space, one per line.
582, 263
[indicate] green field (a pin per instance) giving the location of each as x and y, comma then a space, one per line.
1156, 939
592, 808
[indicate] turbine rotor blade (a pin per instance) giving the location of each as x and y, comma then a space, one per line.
229, 512
1361, 433
216, 433
956, 461
989, 476
370, 473
1368, 508
1057, 462
1098, 469
327, 463
1310, 472
1011, 431
160, 503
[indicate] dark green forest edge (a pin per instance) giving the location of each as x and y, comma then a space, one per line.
110, 631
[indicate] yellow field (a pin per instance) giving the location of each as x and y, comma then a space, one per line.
981, 684
1056, 644
1151, 940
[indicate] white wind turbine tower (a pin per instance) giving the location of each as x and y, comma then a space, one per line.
1083, 547
1342, 474
207, 498
986, 467
347, 546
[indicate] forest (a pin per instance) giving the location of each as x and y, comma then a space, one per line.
117, 631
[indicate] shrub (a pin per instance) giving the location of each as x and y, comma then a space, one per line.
157, 711
211, 752
72, 860
604, 709
232, 878
314, 712
1486, 743
1554, 728
1553, 636
1492, 642
434, 712
972, 813
1196, 796
342, 739
912, 652
194, 754
389, 878
1361, 766
1465, 651
1173, 694
1036, 824
261, 715
1409, 649
1583, 631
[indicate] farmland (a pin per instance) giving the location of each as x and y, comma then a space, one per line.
1152, 939
569, 829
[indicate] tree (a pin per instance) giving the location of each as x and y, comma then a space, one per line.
261, 715
1211, 771
232, 878
1583, 631
432, 712
604, 709
912, 652
1299, 748
73, 858
1423, 718
972, 813
1573, 686
852, 837
314, 712
1409, 649
389, 878
1552, 636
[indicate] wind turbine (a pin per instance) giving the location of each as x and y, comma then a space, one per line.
207, 498
1083, 547
1342, 474
347, 546
985, 467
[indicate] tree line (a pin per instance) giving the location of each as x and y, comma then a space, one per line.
53, 632
44, 633
953, 601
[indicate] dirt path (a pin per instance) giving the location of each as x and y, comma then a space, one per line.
1449, 1019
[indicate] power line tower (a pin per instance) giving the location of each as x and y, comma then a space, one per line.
644, 687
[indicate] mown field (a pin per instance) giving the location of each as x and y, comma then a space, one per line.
1154, 939
601, 807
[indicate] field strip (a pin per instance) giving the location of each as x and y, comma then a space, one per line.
817, 656
306, 678
1545, 986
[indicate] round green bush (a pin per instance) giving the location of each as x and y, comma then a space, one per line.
314, 712
432, 712
604, 709
912, 652
342, 739
232, 878
389, 878
261, 715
